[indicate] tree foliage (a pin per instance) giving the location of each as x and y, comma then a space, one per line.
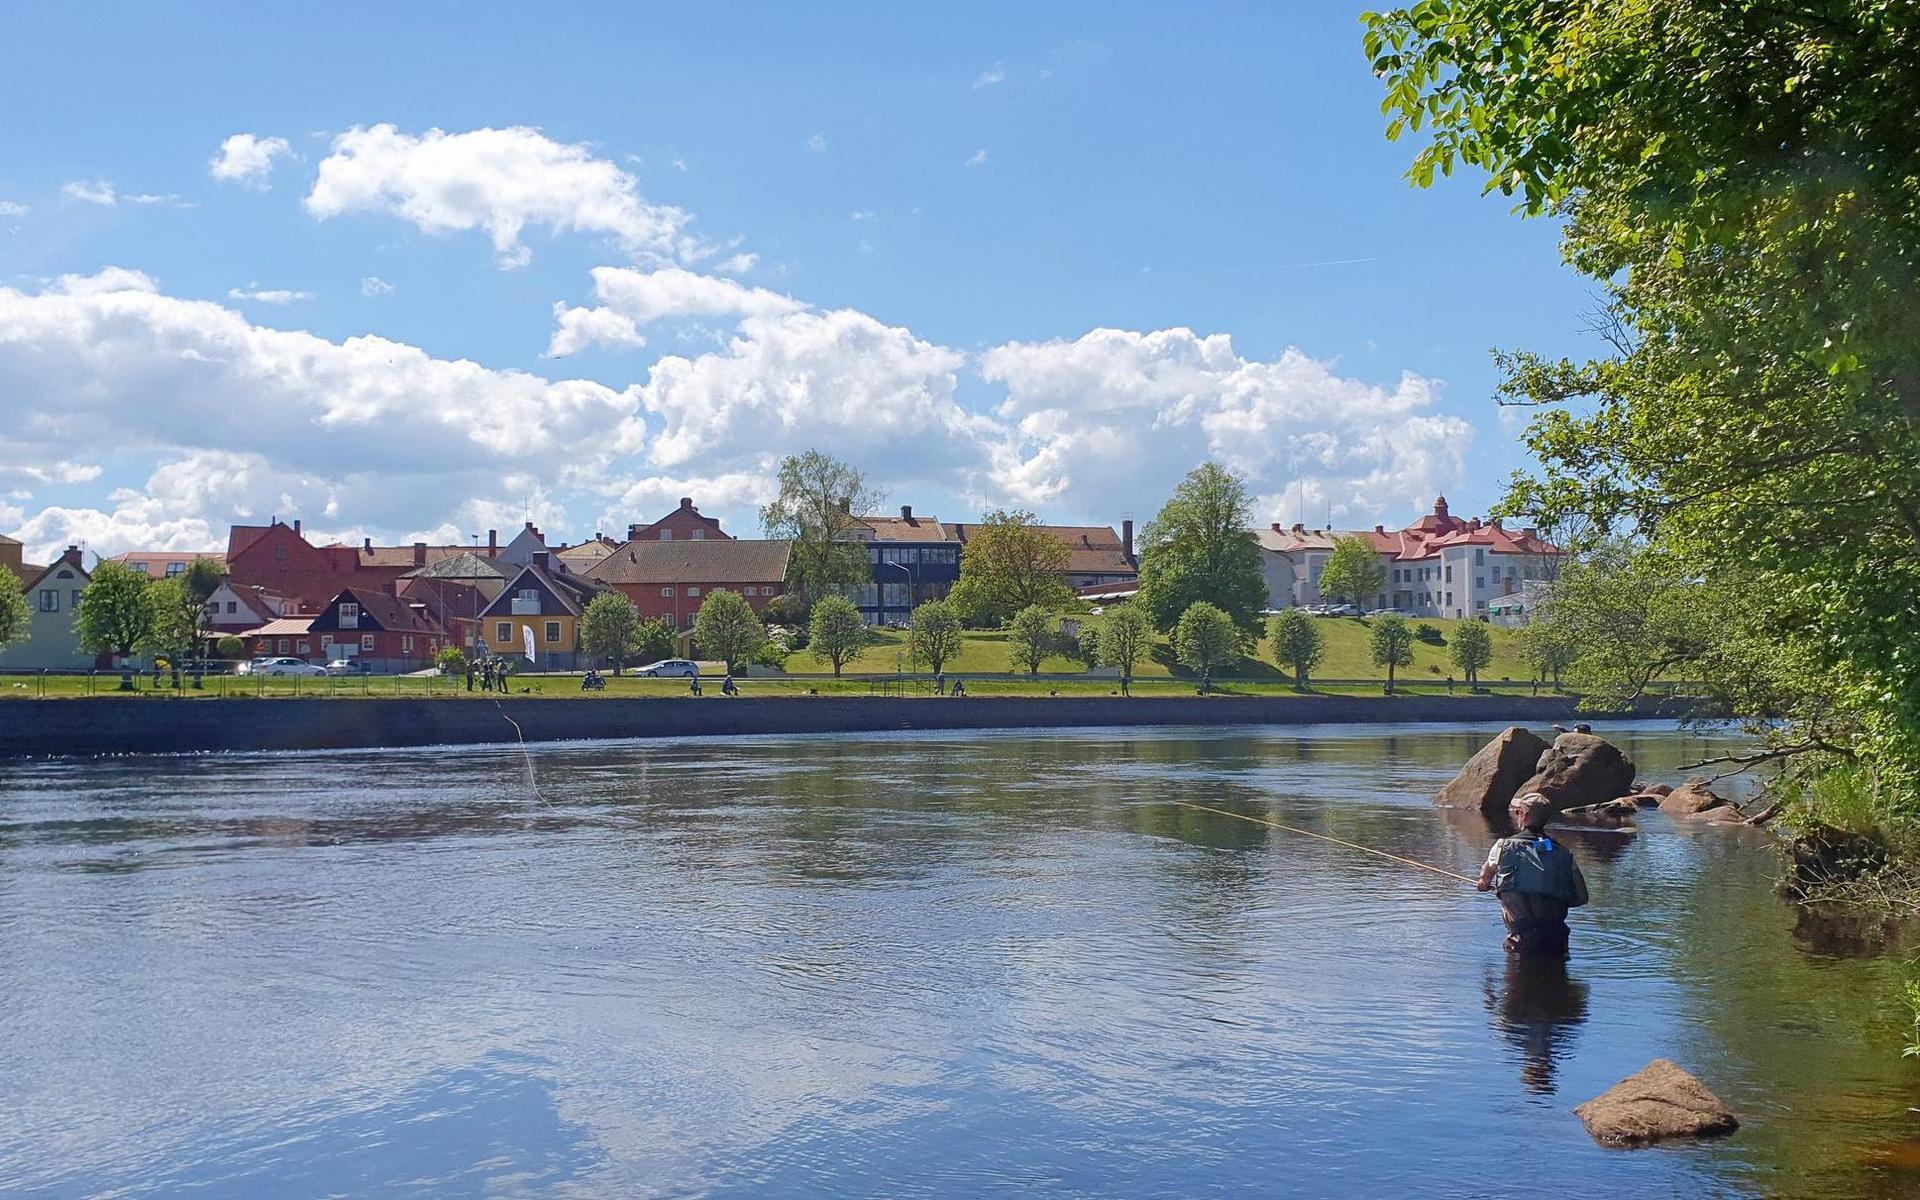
173, 620
1126, 639
1390, 645
451, 660
652, 640
1206, 637
1010, 563
1353, 572
16, 618
727, 628
113, 614
1200, 548
933, 635
836, 634
1298, 645
817, 508
1032, 634
609, 628
1471, 650
1743, 181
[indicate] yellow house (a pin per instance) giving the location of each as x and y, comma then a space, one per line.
545, 600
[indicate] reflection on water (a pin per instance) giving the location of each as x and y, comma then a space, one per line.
926, 965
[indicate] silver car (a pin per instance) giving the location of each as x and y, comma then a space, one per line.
671, 668
286, 666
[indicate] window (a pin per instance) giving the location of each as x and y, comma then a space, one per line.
503, 631
326, 641
349, 615
49, 600
174, 569
233, 606
553, 633
532, 594
285, 644
406, 643
699, 535
895, 595
666, 535
366, 641
1449, 597
1479, 556
280, 553
306, 647
1479, 582
692, 592
1449, 573
77, 593
666, 591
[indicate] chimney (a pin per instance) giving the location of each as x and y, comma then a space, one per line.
1530, 531
493, 543
1474, 524
686, 502
1126, 537
1275, 526
1440, 506
366, 545
71, 556
419, 554
540, 559
1494, 521
530, 528
296, 527
906, 513
633, 532
1379, 528
1300, 528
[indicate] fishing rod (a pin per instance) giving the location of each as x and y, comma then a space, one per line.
1221, 812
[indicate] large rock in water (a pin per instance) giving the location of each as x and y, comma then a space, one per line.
1492, 777
1692, 799
1659, 1101
1580, 769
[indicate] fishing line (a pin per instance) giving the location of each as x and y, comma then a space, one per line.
525, 754
1221, 812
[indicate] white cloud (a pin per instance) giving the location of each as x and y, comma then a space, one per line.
254, 291
991, 77
98, 191
247, 159
9, 208
575, 329
1116, 411
738, 264
673, 292
817, 143
21, 475
496, 180
373, 285
979, 158
109, 279
862, 214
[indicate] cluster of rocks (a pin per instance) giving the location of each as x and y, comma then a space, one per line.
1585, 777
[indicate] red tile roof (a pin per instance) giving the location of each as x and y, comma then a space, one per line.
716, 561
909, 529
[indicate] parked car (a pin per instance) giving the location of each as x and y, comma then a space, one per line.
1388, 612
250, 666
349, 666
670, 668
286, 666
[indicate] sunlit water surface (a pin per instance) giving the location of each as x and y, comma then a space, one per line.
926, 965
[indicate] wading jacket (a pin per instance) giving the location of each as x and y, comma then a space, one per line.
1536, 865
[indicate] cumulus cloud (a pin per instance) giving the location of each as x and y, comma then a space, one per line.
496, 180
575, 329
991, 77
373, 285
9, 208
103, 193
254, 291
247, 159
1103, 415
673, 292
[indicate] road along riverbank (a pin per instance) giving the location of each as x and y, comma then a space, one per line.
37, 728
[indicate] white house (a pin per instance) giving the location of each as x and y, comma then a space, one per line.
53, 597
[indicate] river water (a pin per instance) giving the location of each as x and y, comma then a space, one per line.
916, 965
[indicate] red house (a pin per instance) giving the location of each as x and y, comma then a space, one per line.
381, 631
668, 579
278, 559
683, 524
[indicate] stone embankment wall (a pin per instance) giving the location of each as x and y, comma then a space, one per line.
152, 726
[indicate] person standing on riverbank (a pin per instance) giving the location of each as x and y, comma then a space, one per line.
1536, 881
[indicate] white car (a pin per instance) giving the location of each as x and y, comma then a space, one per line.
286, 666
670, 667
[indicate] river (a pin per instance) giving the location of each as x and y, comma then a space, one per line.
912, 965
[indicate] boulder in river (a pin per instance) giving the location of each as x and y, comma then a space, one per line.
1659, 1101
1613, 812
1580, 769
1492, 777
1692, 799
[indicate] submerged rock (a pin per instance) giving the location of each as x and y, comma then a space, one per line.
1492, 777
1693, 799
1580, 769
1613, 812
1659, 1101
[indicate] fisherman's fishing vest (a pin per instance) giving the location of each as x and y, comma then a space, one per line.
1535, 866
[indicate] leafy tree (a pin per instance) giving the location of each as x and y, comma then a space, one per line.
817, 508
16, 618
1353, 572
609, 628
727, 628
1201, 548
1391, 645
1545, 650
1128, 638
1298, 644
1472, 650
1204, 638
1031, 636
1739, 179
451, 660
652, 640
836, 633
1087, 645
203, 578
173, 622
231, 646
1010, 563
933, 635
113, 614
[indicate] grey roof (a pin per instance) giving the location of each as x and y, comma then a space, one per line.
713, 561
464, 565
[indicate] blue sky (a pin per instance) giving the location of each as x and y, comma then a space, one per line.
888, 231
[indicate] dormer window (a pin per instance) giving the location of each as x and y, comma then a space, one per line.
349, 615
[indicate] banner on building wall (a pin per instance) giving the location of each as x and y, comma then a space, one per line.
526, 637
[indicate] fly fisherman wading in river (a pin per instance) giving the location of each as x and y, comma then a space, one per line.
1536, 880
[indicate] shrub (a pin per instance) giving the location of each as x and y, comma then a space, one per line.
1430, 634
452, 661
